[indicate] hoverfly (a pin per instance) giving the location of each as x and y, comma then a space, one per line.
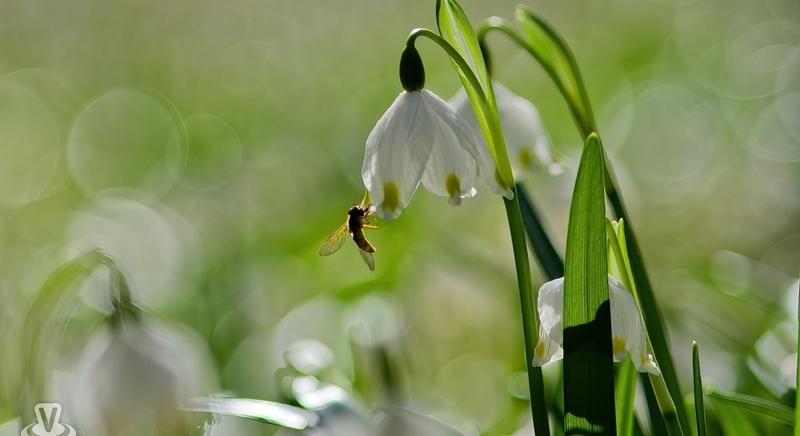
357, 220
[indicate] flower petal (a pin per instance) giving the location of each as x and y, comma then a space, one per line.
547, 350
486, 163
527, 141
627, 329
398, 148
451, 170
550, 303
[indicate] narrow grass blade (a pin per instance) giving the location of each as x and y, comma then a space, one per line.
766, 408
699, 406
588, 369
543, 248
279, 414
657, 422
732, 421
666, 406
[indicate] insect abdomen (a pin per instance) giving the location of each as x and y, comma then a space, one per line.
361, 241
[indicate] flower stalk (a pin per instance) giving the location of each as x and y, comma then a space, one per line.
494, 137
584, 123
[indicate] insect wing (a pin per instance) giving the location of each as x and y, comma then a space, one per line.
369, 259
334, 241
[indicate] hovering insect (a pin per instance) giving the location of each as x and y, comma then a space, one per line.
357, 220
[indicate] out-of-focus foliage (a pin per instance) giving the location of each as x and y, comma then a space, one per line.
209, 146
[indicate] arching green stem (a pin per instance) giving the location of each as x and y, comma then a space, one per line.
585, 124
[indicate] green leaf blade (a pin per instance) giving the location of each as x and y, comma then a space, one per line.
699, 406
760, 406
543, 248
588, 368
732, 421
625, 397
456, 29
552, 52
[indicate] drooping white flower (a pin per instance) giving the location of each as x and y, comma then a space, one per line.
130, 378
526, 139
419, 138
627, 328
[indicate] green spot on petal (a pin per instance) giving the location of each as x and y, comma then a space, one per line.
539, 350
453, 186
391, 196
525, 158
618, 345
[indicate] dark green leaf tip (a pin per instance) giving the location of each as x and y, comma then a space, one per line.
412, 72
699, 406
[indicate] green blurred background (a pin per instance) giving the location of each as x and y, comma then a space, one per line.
211, 145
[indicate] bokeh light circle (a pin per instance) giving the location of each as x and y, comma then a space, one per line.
30, 145
125, 139
212, 154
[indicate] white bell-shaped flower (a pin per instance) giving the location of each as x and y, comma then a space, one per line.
419, 138
527, 141
627, 327
132, 377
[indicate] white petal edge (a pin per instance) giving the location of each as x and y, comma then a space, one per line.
627, 325
397, 150
453, 151
547, 350
550, 303
524, 132
461, 103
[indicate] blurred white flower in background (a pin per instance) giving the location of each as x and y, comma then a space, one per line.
527, 140
144, 235
774, 358
131, 377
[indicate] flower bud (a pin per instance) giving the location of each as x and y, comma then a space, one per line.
412, 72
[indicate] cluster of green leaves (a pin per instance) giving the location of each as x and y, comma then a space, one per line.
551, 51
